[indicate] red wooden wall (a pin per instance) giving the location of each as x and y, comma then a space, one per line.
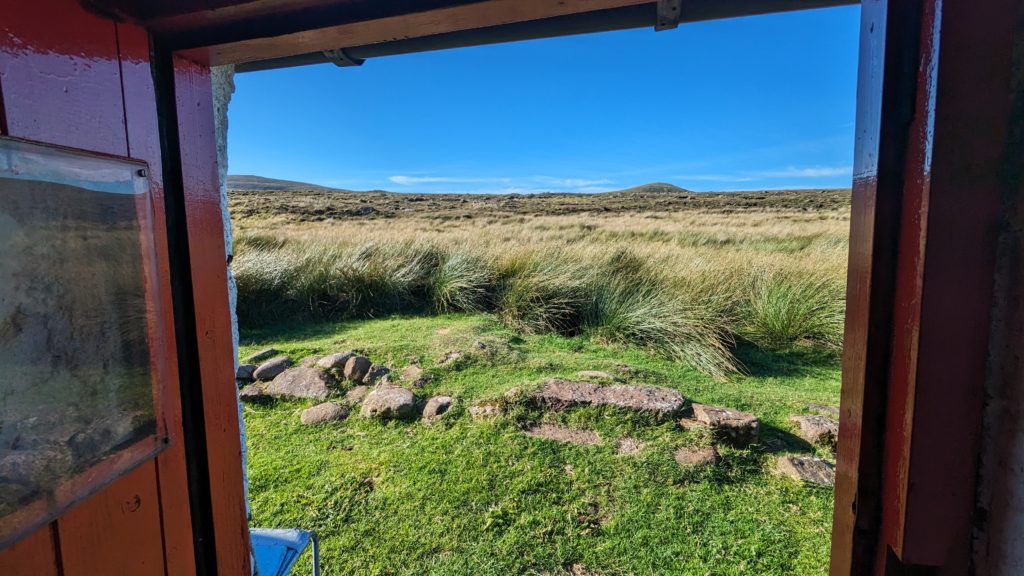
72, 78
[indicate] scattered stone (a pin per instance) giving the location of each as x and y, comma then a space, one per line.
824, 410
437, 406
271, 368
448, 358
254, 393
389, 402
421, 382
260, 356
486, 410
245, 373
356, 368
816, 429
322, 413
807, 469
334, 361
727, 425
596, 375
564, 434
357, 394
558, 394
362, 211
308, 362
376, 374
630, 446
695, 457
412, 372
300, 383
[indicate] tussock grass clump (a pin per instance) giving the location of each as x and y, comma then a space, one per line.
461, 282
785, 307
542, 292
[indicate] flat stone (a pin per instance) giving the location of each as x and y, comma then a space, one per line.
389, 402
334, 361
558, 394
437, 406
564, 434
596, 375
727, 425
630, 446
323, 413
694, 457
254, 393
817, 429
486, 410
308, 362
260, 356
830, 411
300, 383
807, 469
357, 394
356, 368
375, 374
269, 370
411, 372
246, 372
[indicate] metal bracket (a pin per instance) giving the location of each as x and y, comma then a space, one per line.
669, 12
341, 58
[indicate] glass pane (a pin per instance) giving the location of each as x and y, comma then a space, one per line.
76, 318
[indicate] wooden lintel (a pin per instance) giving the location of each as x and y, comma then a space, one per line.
416, 25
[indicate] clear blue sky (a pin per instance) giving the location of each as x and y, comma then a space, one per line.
749, 103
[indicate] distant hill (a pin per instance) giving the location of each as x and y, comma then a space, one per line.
245, 182
655, 188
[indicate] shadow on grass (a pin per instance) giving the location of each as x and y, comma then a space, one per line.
786, 362
300, 329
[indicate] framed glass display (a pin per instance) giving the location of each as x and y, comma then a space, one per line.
79, 324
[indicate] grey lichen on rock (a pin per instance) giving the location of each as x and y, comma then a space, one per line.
301, 383
389, 402
269, 370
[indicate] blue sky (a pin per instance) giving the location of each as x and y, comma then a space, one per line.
742, 104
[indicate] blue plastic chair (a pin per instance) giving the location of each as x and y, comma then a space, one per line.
277, 549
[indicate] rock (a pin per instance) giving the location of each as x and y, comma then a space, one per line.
300, 383
322, 413
245, 373
596, 375
389, 402
334, 361
437, 406
356, 368
308, 362
630, 446
807, 469
694, 457
830, 411
819, 430
421, 381
254, 393
260, 356
411, 372
357, 394
362, 211
271, 368
375, 374
558, 394
486, 410
564, 434
727, 425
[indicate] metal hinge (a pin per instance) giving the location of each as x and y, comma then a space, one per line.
341, 58
669, 12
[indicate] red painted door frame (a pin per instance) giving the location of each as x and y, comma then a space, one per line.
931, 164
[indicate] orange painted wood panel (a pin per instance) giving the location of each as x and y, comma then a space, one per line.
117, 531
213, 317
36, 555
144, 144
61, 79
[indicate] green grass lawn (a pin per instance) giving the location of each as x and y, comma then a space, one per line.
462, 496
